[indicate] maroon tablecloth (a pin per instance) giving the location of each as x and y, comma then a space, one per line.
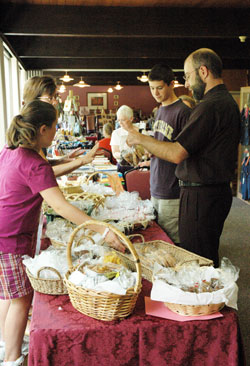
62, 336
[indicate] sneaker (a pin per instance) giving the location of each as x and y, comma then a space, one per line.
2, 350
25, 345
18, 362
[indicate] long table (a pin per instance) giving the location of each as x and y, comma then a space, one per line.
62, 336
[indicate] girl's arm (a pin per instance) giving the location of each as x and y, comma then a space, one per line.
66, 168
55, 199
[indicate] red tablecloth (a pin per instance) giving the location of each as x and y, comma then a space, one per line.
62, 336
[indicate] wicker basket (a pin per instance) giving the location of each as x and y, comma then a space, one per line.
61, 245
128, 227
97, 200
103, 305
194, 310
113, 179
71, 189
181, 255
47, 286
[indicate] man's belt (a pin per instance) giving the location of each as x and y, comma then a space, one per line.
189, 184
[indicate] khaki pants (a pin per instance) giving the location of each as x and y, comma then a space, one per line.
168, 216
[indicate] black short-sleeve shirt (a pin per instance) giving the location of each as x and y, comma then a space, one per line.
211, 137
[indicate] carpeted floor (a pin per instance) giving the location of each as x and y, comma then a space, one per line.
235, 245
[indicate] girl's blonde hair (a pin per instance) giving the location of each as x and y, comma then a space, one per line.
24, 127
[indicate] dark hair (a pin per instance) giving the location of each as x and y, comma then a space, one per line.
161, 72
23, 128
36, 86
208, 58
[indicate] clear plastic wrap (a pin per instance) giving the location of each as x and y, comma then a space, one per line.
195, 285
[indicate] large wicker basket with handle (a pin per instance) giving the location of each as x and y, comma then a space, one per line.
47, 286
181, 255
103, 305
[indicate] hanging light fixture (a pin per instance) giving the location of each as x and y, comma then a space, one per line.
62, 88
177, 84
143, 78
66, 78
81, 84
118, 86
110, 90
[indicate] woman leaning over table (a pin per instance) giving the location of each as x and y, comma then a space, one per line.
26, 179
44, 88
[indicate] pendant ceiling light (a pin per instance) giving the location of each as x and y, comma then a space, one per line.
62, 88
66, 78
118, 86
110, 90
81, 84
143, 78
177, 84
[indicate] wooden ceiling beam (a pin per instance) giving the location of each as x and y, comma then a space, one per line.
108, 21
49, 37
121, 48
119, 64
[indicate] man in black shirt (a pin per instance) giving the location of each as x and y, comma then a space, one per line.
206, 151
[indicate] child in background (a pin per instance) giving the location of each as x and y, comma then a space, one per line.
105, 143
107, 132
26, 179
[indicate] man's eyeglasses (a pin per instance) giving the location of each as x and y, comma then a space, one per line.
187, 75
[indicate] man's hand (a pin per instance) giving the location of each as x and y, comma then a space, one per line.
127, 125
134, 137
143, 164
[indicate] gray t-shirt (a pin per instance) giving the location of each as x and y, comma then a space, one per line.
169, 122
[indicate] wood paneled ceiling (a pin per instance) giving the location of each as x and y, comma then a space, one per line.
109, 40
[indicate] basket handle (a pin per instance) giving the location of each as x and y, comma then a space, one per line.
84, 237
49, 268
114, 181
121, 236
139, 235
92, 174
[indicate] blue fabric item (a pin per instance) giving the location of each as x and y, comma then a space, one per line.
245, 179
245, 126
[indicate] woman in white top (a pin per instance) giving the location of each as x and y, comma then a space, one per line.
119, 136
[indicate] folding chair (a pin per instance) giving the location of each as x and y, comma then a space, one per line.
138, 180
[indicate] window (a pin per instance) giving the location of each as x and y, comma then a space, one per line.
12, 78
